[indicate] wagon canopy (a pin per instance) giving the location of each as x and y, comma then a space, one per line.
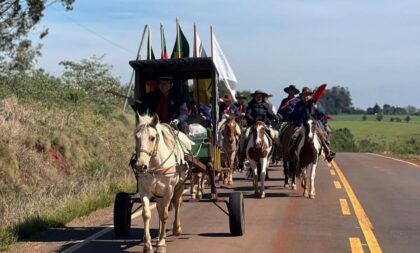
183, 68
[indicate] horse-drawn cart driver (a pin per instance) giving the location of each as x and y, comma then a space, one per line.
302, 109
166, 102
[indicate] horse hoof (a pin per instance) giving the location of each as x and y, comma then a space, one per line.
294, 187
148, 250
225, 181
312, 196
286, 185
161, 249
199, 196
193, 196
230, 182
177, 231
262, 196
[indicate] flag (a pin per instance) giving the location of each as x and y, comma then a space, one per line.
164, 54
181, 47
181, 50
150, 84
202, 91
226, 74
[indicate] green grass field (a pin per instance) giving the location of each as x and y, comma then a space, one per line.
386, 136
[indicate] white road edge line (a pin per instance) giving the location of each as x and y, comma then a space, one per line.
395, 159
79, 244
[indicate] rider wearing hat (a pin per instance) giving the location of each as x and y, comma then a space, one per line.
302, 109
259, 109
292, 91
169, 105
227, 108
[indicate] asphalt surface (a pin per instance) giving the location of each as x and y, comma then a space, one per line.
382, 197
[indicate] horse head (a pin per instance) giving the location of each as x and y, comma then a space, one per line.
258, 133
309, 125
230, 130
147, 139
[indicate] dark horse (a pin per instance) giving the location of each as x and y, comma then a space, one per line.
289, 164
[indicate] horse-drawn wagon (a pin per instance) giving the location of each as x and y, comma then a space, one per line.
204, 155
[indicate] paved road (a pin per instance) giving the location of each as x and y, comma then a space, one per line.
364, 203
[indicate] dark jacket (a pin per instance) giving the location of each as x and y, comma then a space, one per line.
177, 108
300, 112
233, 110
287, 110
259, 112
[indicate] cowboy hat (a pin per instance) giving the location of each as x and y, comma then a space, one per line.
259, 92
291, 87
306, 90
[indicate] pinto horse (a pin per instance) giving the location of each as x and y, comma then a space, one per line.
230, 132
289, 164
258, 151
162, 172
308, 151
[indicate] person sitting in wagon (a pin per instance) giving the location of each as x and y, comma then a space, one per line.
168, 104
301, 109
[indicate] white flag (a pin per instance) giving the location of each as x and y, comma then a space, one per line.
201, 51
223, 68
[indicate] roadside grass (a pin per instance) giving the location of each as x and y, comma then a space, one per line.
58, 163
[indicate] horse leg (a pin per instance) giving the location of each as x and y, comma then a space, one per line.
304, 182
313, 173
193, 189
200, 182
264, 164
147, 214
177, 200
286, 171
253, 168
162, 208
293, 168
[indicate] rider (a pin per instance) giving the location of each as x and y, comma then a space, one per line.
302, 108
227, 108
166, 103
292, 91
259, 109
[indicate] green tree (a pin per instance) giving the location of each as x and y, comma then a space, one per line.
408, 118
364, 117
337, 100
17, 18
379, 117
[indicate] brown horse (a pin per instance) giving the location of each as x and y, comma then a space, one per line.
289, 164
230, 132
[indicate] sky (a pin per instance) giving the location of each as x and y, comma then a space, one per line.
371, 47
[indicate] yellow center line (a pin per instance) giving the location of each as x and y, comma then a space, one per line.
337, 185
344, 207
356, 245
364, 222
329, 165
332, 172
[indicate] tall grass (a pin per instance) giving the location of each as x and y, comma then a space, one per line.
61, 155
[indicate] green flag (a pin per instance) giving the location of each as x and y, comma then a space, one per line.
181, 47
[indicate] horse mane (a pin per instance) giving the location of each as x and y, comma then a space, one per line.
163, 129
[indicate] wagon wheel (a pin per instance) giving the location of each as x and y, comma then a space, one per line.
236, 214
122, 214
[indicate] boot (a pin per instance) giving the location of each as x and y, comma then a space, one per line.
329, 154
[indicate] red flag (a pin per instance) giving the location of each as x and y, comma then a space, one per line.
321, 91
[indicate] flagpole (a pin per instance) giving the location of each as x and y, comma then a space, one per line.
138, 57
149, 44
195, 42
177, 37
161, 41
211, 42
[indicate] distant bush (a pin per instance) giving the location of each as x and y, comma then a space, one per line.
342, 140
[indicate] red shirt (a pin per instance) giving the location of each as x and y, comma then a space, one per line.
162, 109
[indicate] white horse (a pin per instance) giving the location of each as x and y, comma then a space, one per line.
308, 152
258, 151
162, 173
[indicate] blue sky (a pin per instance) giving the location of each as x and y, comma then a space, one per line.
372, 47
